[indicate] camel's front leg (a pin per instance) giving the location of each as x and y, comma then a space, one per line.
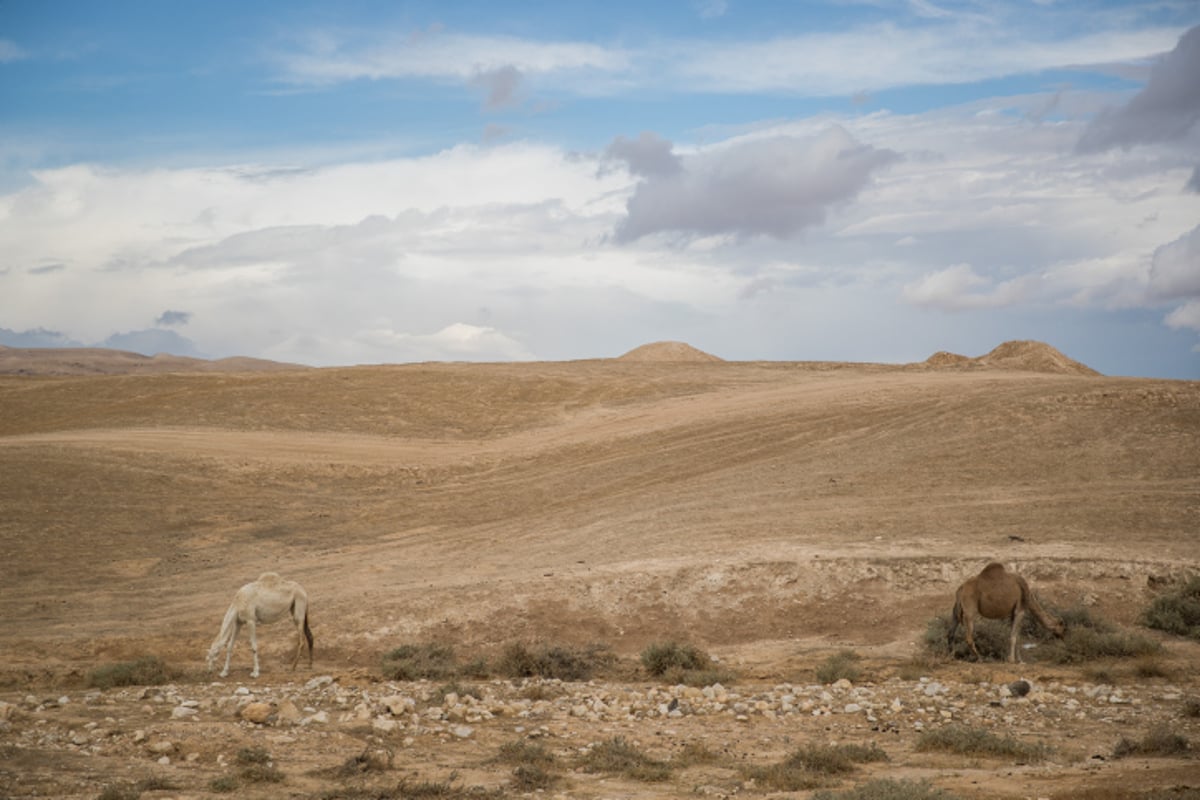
229, 649
252, 629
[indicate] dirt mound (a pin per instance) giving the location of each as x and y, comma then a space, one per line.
1034, 356
102, 361
667, 351
1021, 355
942, 358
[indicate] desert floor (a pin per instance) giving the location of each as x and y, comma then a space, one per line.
773, 514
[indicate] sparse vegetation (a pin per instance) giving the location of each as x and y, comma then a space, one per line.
134, 791
1158, 741
1178, 611
411, 662
619, 756
965, 740
521, 752
1126, 793
811, 767
146, 671
887, 789
1191, 708
1087, 638
555, 661
843, 664
682, 663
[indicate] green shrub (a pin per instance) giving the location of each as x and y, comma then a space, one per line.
147, 671
620, 757
554, 661
965, 740
887, 789
838, 666
412, 662
1159, 741
1178, 611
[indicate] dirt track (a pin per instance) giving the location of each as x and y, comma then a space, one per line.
772, 513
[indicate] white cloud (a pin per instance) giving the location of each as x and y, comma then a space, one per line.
960, 288
1186, 316
944, 49
325, 58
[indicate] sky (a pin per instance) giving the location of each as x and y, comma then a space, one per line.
386, 182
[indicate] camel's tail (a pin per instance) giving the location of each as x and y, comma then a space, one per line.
309, 637
228, 628
1035, 607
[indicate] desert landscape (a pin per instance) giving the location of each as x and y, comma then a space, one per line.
781, 518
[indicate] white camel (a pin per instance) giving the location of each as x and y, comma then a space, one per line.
266, 600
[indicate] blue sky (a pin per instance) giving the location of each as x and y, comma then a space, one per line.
866, 180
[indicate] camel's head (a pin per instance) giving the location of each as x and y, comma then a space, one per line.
1057, 627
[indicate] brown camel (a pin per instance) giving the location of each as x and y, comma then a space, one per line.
997, 593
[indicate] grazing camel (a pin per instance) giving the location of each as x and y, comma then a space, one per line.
266, 600
996, 593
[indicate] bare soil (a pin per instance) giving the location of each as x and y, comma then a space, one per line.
771, 513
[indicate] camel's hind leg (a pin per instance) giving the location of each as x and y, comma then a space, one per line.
251, 628
969, 631
237, 626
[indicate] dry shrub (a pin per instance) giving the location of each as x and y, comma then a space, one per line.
965, 740
887, 789
1178, 611
812, 767
618, 756
840, 665
682, 663
411, 662
562, 662
1158, 741
146, 671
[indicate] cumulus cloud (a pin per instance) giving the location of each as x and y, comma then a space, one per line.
1165, 110
961, 288
1175, 268
770, 187
1186, 316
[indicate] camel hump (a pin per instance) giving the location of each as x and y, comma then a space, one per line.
269, 577
993, 569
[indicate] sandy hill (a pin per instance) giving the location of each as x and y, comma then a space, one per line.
668, 352
772, 516
1027, 356
103, 361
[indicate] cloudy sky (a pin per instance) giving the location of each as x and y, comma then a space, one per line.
366, 182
